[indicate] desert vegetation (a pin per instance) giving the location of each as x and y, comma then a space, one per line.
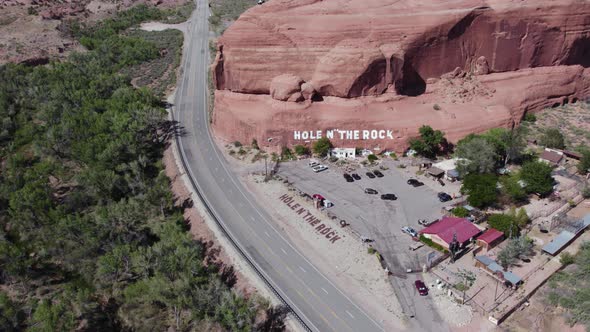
91, 237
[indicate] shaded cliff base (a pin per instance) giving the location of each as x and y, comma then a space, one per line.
457, 103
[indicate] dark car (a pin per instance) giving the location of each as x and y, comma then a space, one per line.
444, 197
421, 287
371, 191
415, 183
348, 177
379, 174
356, 176
370, 175
389, 197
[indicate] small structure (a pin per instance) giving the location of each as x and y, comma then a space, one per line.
449, 167
490, 239
551, 156
443, 231
566, 237
349, 153
572, 154
436, 172
495, 270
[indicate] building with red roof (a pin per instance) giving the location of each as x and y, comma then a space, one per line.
442, 232
490, 238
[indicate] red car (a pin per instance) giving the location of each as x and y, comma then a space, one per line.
318, 197
421, 287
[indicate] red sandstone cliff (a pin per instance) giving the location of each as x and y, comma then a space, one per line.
295, 50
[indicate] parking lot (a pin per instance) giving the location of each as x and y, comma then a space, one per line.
369, 215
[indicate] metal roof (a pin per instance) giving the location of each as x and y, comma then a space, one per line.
558, 242
495, 267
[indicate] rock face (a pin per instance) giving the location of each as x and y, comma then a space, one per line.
385, 51
286, 87
359, 48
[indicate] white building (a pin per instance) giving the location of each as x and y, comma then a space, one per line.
349, 153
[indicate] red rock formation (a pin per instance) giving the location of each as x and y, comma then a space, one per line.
358, 48
377, 49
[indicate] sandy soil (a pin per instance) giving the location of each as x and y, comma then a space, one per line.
345, 262
455, 314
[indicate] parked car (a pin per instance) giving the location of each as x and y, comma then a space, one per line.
318, 197
389, 197
370, 175
444, 197
410, 231
371, 191
421, 287
319, 168
356, 176
378, 174
313, 163
415, 183
348, 177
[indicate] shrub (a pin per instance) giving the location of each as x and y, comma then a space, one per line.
333, 159
371, 250
241, 152
566, 259
530, 117
393, 155
433, 245
255, 144
584, 164
286, 154
586, 192
237, 144
372, 158
436, 107
552, 138
322, 146
460, 212
301, 150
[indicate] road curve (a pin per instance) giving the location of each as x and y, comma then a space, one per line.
319, 304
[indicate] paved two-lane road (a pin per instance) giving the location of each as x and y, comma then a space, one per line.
319, 303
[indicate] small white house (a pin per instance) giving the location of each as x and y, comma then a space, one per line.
348, 153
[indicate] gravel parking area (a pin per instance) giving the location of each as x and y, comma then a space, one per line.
369, 215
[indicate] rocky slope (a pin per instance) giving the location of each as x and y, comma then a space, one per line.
510, 56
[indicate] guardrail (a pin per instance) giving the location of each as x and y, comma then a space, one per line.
226, 233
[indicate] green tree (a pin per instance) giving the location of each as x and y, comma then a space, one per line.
476, 156
460, 212
372, 158
481, 188
49, 317
9, 320
537, 177
301, 150
322, 146
429, 143
504, 223
512, 188
584, 164
552, 138
516, 249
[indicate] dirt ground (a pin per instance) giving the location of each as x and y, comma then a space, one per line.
345, 262
29, 29
572, 120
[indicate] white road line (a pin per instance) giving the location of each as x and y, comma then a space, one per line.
349, 314
266, 233
325, 291
302, 269
252, 218
283, 250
